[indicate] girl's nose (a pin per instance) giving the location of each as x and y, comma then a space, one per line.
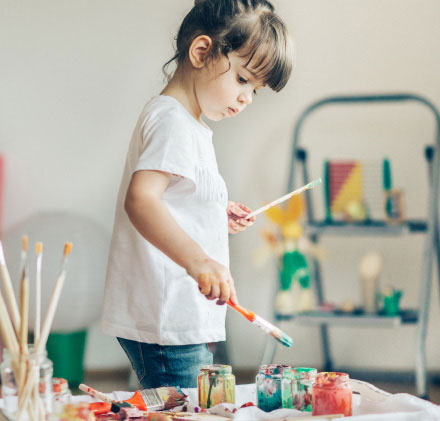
245, 98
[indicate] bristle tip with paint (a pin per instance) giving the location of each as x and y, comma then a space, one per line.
24, 242
67, 248
38, 247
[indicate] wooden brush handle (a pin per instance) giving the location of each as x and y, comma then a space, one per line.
250, 315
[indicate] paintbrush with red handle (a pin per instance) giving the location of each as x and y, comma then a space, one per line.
269, 328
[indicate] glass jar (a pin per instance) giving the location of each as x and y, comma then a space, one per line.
41, 396
332, 394
78, 411
215, 384
305, 377
61, 390
275, 387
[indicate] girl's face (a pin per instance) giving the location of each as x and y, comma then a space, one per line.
225, 87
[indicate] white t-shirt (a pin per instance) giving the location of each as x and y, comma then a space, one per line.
148, 297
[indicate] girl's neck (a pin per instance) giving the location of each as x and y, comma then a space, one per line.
181, 87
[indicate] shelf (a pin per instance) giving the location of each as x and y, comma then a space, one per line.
341, 319
366, 228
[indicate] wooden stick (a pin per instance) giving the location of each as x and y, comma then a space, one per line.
23, 256
7, 330
23, 337
95, 393
39, 251
27, 389
56, 292
309, 186
9, 291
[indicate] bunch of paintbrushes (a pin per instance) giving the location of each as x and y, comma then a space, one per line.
14, 320
144, 400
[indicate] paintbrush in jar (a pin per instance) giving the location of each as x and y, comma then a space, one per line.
263, 324
11, 302
39, 252
55, 297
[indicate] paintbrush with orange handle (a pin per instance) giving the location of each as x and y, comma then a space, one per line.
147, 399
257, 320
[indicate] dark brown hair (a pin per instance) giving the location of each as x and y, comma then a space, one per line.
248, 27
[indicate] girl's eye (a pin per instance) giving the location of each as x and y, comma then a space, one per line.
255, 92
242, 79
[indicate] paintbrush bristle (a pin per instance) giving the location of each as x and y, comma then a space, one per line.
24, 242
172, 396
281, 337
39, 248
67, 248
314, 183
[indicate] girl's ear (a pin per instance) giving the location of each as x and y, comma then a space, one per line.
198, 50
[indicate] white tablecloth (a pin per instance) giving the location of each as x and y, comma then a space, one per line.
372, 404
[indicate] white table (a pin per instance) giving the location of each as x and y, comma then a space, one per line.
371, 404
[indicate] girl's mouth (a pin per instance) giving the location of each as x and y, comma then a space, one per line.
232, 111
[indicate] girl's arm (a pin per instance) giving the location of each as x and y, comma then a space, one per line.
154, 222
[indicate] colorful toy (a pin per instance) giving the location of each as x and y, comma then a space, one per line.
390, 297
290, 247
355, 191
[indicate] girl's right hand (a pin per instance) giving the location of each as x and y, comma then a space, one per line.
215, 280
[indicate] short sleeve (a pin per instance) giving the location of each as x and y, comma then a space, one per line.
168, 146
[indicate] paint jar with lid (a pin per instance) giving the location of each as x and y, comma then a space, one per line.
332, 394
304, 379
215, 384
36, 364
275, 387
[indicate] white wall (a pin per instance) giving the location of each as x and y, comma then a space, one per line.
75, 75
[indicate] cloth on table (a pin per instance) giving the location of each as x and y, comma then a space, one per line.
369, 404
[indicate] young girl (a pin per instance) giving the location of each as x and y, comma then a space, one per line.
169, 259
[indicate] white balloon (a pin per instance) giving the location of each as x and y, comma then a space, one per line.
81, 299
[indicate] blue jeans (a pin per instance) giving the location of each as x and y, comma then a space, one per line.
166, 365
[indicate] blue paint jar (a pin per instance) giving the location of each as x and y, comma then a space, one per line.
275, 384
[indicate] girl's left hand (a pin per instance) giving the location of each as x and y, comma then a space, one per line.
237, 221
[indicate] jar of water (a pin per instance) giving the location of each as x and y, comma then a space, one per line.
29, 375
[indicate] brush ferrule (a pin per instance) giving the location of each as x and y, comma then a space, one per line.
264, 324
153, 401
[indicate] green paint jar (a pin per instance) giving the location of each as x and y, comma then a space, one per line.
304, 377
